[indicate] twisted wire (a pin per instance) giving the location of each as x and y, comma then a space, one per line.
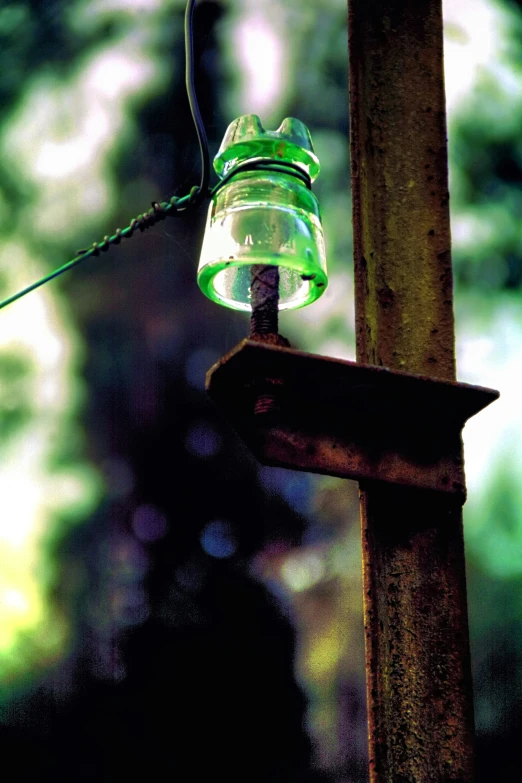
176, 206
160, 209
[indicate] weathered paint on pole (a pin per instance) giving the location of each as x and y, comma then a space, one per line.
420, 709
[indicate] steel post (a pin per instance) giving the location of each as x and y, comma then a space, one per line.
420, 709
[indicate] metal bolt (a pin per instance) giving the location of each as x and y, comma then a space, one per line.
263, 327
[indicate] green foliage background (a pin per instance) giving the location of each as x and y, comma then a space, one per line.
149, 151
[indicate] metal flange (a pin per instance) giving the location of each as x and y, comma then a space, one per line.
346, 419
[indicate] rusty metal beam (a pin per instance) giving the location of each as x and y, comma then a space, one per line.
346, 419
420, 709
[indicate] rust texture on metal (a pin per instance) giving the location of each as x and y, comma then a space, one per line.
402, 244
344, 419
419, 683
264, 327
420, 708
264, 292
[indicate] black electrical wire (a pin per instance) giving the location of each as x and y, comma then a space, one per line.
176, 206
160, 210
194, 108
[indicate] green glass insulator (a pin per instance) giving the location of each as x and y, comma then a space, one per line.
264, 214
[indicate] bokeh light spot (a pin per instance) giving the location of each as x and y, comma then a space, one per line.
203, 441
197, 365
149, 523
218, 540
262, 55
300, 572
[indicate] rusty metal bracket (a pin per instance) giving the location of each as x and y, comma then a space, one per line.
347, 419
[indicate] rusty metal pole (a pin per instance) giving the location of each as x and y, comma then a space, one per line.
420, 709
